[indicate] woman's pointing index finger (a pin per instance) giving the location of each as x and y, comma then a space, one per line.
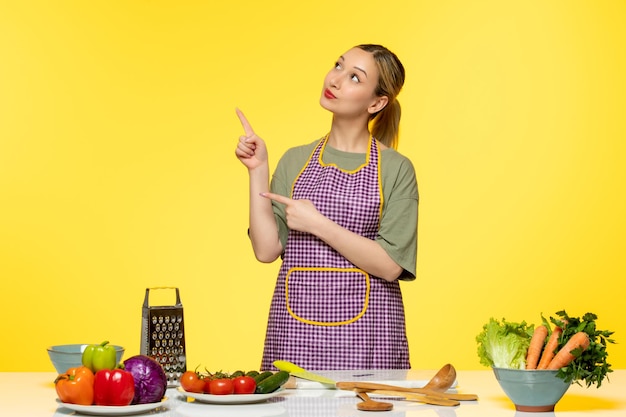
276, 197
244, 122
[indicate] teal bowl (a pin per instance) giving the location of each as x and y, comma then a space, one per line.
64, 357
535, 390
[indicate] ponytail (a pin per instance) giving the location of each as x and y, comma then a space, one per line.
385, 126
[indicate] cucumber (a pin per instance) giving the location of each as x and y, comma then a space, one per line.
260, 377
252, 373
272, 383
236, 374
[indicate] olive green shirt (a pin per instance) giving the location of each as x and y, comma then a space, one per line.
398, 225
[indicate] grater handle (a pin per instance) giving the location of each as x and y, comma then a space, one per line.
146, 302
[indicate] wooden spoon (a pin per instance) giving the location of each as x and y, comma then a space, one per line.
434, 392
441, 382
426, 399
370, 405
443, 379
372, 386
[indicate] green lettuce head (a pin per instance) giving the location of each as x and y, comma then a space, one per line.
504, 344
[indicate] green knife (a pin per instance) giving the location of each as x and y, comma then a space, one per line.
299, 372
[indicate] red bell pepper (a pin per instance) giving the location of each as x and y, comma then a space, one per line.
113, 387
75, 386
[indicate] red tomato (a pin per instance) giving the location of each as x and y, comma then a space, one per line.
191, 382
221, 386
244, 385
207, 385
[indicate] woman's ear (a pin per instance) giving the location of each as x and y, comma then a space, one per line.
378, 104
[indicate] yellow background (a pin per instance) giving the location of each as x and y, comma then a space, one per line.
117, 166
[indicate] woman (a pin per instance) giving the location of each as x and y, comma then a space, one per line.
342, 213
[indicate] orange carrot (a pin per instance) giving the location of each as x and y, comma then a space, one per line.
550, 350
564, 355
536, 346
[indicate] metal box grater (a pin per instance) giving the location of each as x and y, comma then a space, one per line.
163, 336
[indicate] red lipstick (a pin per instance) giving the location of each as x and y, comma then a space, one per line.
328, 94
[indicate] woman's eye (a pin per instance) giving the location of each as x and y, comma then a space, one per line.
355, 78
337, 65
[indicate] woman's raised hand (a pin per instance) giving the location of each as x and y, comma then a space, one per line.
251, 149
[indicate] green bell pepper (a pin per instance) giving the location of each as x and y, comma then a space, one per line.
99, 357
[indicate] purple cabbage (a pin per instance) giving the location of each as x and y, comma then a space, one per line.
150, 379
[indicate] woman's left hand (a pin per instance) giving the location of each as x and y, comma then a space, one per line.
301, 214
251, 149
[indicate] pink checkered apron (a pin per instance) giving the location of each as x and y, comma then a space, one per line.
325, 312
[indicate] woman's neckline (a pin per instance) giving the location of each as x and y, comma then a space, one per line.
348, 154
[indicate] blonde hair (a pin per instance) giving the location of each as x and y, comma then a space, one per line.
385, 125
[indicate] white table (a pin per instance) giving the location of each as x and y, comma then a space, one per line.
33, 394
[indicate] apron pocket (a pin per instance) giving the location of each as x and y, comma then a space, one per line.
327, 296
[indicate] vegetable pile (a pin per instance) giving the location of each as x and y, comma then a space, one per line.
101, 381
80, 385
573, 346
239, 382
